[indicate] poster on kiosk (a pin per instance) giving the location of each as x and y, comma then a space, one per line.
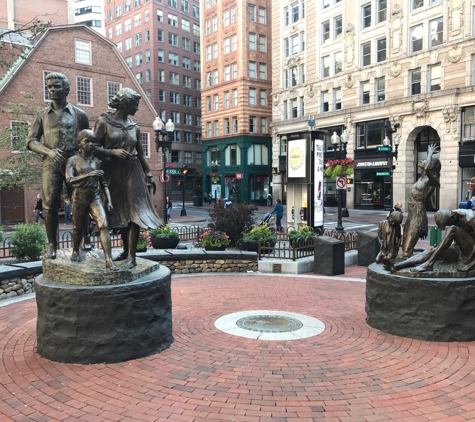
318, 183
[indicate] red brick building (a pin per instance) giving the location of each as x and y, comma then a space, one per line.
96, 71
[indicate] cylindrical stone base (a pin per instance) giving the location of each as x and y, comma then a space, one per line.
431, 309
95, 324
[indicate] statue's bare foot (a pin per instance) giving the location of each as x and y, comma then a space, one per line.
51, 252
121, 257
423, 267
129, 263
75, 257
387, 264
110, 264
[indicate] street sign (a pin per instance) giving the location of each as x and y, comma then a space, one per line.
341, 183
383, 173
169, 165
238, 176
173, 171
384, 149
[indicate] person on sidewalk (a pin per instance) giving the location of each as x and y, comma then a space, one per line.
279, 213
38, 209
67, 211
169, 208
269, 200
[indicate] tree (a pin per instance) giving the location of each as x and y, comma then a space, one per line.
22, 168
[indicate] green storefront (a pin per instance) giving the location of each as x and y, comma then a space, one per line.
238, 168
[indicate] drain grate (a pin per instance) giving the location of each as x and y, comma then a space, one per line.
269, 323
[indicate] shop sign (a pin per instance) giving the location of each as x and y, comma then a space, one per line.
238, 176
384, 149
383, 173
376, 163
173, 171
275, 170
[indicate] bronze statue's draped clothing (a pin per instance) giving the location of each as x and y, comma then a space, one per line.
126, 178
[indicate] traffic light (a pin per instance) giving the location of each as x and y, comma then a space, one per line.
184, 169
349, 181
180, 183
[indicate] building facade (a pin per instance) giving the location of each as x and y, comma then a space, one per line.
363, 65
160, 42
96, 71
236, 85
90, 13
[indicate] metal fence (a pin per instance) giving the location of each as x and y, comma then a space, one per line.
287, 250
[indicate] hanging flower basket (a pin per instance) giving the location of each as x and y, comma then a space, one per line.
339, 168
214, 177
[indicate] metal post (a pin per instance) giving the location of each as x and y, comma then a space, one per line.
165, 217
339, 228
183, 211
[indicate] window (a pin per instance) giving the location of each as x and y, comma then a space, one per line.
128, 61
161, 95
19, 131
365, 92
174, 78
137, 20
381, 50
215, 50
416, 4
172, 20
415, 81
252, 41
325, 31
214, 21
252, 69
138, 76
208, 104
126, 6
176, 156
226, 99
215, 77
366, 54
234, 97
198, 157
380, 88
112, 89
233, 14
382, 8
253, 124
294, 113
337, 27
138, 39
196, 47
225, 17
366, 15
252, 96
436, 32
145, 142
196, 30
188, 158
118, 11
216, 102
262, 71
258, 155
160, 36
234, 124
294, 12
208, 53
227, 45
472, 78
148, 94
252, 12
186, 63
325, 101
198, 102
159, 15
370, 134
263, 125
286, 48
285, 114
226, 126
82, 51
161, 56
110, 33
227, 73
188, 138
173, 39
161, 75
435, 74
136, 3
147, 35
262, 43
138, 59
338, 58
187, 100
175, 116
294, 45
325, 67
337, 99
188, 119
84, 91
216, 128
286, 79
416, 38
233, 70
293, 76
208, 79
196, 66
119, 46
174, 98
262, 15
233, 42
118, 29
263, 98
146, 15
173, 59
185, 25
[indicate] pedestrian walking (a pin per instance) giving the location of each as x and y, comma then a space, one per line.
169, 208
279, 213
67, 211
38, 208
269, 200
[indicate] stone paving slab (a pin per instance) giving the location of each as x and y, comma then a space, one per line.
349, 372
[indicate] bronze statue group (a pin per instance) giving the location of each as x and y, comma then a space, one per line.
105, 170
458, 244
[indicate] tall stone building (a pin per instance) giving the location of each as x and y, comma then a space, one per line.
160, 42
236, 85
359, 65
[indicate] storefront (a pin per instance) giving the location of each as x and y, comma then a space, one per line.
373, 183
467, 153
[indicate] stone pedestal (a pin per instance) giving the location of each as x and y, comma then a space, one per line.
329, 256
89, 324
431, 309
368, 246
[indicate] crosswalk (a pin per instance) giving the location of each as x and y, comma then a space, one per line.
351, 226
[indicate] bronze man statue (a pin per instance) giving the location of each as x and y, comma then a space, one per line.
389, 234
53, 134
84, 175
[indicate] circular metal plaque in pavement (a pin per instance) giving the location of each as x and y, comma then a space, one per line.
269, 323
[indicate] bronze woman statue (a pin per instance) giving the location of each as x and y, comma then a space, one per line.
416, 224
126, 172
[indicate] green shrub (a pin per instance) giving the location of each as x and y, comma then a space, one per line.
303, 233
234, 221
28, 241
164, 232
2, 234
259, 234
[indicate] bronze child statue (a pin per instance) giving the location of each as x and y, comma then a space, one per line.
85, 177
389, 234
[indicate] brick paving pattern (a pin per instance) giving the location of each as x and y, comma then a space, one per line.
349, 373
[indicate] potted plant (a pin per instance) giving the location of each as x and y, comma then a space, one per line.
164, 238
300, 235
214, 240
144, 241
214, 177
339, 168
261, 233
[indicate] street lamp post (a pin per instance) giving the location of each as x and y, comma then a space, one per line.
184, 172
335, 140
214, 169
388, 139
162, 140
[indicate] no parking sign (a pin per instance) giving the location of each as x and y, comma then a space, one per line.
341, 183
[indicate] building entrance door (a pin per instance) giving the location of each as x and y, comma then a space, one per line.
13, 205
